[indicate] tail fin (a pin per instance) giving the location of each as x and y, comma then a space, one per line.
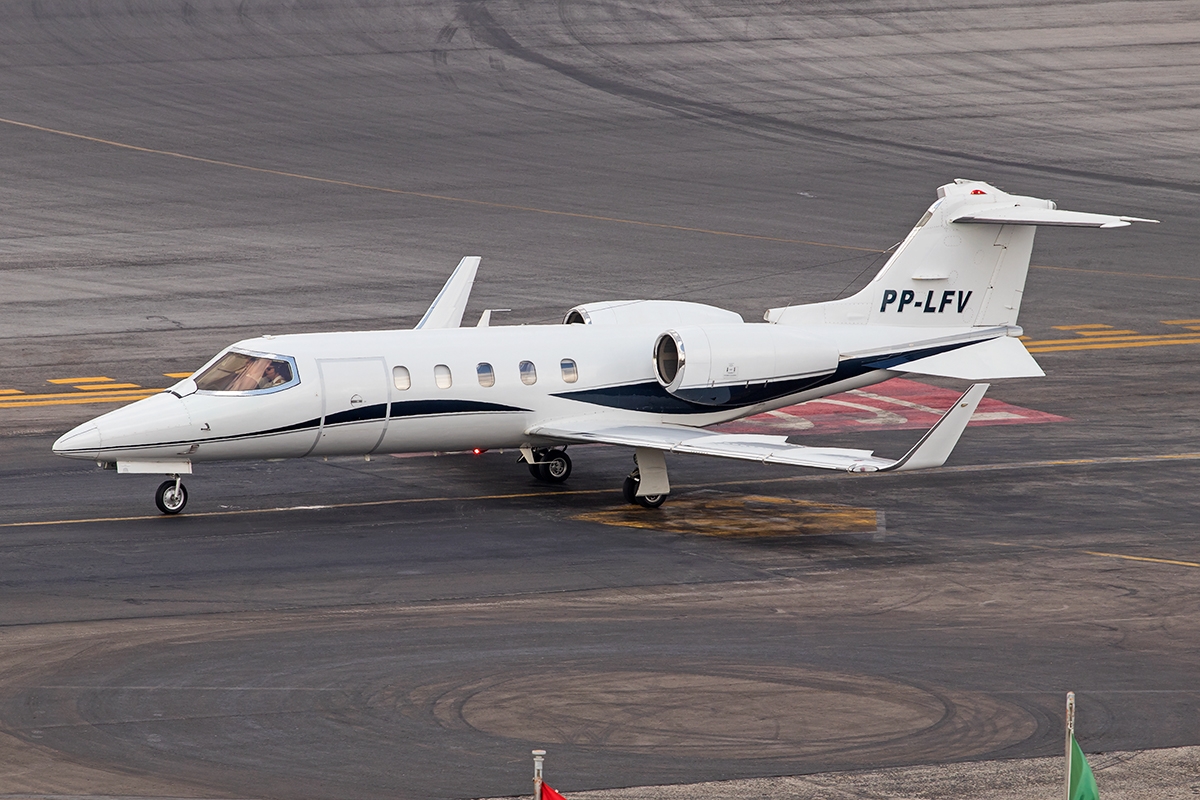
963, 265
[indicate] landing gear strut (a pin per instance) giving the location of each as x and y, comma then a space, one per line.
550, 466
171, 496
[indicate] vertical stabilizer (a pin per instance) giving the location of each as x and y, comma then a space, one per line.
963, 265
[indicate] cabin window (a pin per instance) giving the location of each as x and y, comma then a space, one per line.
248, 372
487, 375
570, 372
528, 373
401, 378
441, 376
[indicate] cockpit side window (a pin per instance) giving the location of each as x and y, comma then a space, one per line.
247, 372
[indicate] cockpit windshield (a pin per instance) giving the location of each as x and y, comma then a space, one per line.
245, 372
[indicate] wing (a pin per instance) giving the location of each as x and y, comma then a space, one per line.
932, 451
1024, 215
448, 307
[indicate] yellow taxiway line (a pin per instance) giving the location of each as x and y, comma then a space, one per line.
1171, 561
71, 399
1091, 344
108, 387
1101, 339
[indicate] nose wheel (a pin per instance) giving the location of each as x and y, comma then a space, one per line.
171, 496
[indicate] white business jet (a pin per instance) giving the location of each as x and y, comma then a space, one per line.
644, 374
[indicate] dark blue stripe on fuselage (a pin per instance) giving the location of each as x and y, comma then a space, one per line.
900, 359
651, 397
424, 408
361, 414
415, 408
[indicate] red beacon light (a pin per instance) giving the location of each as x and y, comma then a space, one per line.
478, 451
978, 191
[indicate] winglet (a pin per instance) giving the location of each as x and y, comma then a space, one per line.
935, 446
448, 307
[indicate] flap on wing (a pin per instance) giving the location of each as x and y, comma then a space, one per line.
1003, 357
447, 308
1026, 215
745, 446
932, 451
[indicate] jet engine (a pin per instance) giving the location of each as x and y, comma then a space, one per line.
649, 312
718, 365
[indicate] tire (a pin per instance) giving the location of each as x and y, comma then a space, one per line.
536, 471
629, 490
651, 501
167, 500
555, 467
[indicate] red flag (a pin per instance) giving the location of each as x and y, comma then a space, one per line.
549, 794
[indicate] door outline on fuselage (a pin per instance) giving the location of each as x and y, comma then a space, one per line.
370, 369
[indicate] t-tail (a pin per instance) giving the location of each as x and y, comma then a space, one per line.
963, 265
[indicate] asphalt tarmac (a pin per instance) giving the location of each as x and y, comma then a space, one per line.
174, 177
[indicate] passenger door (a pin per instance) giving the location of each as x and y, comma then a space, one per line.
355, 394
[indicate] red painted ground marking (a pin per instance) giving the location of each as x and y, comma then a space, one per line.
892, 405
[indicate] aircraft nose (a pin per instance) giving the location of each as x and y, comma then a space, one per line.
79, 442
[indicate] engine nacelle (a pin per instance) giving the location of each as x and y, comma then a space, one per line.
649, 312
719, 364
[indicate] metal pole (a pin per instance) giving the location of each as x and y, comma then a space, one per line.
1070, 738
539, 756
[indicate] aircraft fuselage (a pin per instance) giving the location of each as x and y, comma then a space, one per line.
465, 388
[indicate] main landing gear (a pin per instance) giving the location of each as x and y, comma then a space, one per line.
630, 489
647, 486
171, 496
549, 466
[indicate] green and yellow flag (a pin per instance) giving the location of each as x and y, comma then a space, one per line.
1083, 785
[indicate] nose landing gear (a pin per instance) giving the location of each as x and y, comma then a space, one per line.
171, 496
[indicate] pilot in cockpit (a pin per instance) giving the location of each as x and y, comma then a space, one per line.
276, 374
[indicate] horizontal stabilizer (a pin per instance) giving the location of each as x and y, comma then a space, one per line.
1029, 215
1002, 357
932, 451
448, 307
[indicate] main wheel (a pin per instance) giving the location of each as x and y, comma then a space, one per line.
169, 499
651, 500
555, 466
632, 482
535, 466
629, 489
